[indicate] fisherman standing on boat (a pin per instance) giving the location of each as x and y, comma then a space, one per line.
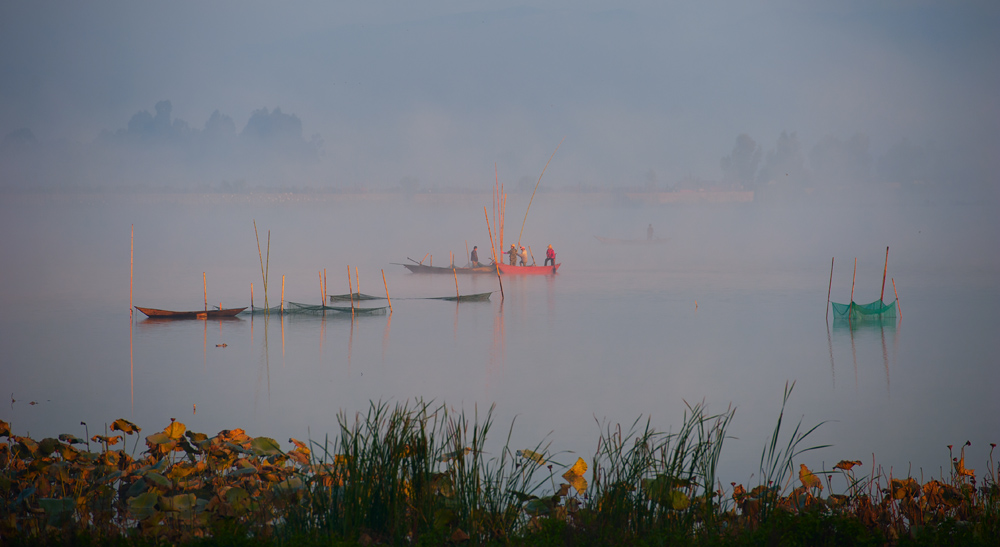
474, 257
512, 253
550, 256
524, 256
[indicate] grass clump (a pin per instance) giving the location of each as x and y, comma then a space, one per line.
417, 473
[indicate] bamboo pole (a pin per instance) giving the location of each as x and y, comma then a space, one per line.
532, 255
885, 271
853, 279
267, 266
325, 292
455, 273
387, 291
131, 270
495, 263
204, 281
351, 287
281, 306
535, 190
357, 282
260, 255
321, 301
251, 297
828, 290
899, 311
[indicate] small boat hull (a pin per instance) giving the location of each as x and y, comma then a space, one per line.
423, 269
507, 269
479, 297
154, 313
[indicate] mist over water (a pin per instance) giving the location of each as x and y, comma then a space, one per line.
727, 310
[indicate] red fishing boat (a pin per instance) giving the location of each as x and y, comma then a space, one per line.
507, 269
154, 313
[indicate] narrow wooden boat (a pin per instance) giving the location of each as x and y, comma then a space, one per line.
154, 313
423, 269
479, 297
356, 296
297, 307
507, 269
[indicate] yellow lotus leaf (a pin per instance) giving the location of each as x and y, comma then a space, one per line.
175, 430
574, 475
299, 445
532, 455
125, 426
961, 469
111, 441
847, 465
807, 478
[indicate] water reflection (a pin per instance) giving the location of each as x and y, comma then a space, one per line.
864, 330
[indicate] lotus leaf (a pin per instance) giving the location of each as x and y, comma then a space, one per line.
532, 455
158, 480
808, 479
4, 429
289, 485
175, 430
181, 503
71, 439
59, 510
136, 488
264, 446
143, 506
125, 426
158, 439
574, 475
243, 471
196, 437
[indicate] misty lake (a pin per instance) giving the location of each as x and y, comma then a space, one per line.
726, 310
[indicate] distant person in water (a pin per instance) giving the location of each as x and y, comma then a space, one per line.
474, 257
550, 256
524, 256
649, 233
512, 253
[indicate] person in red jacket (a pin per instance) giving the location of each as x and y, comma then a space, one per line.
550, 256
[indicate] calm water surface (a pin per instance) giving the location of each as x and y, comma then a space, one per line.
726, 311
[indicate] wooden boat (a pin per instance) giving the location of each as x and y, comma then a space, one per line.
423, 269
479, 297
356, 296
154, 313
507, 269
296, 307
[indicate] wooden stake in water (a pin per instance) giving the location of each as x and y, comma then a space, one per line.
260, 255
829, 289
282, 304
325, 292
320, 274
204, 281
899, 311
494, 249
885, 271
251, 297
854, 278
357, 282
351, 287
455, 273
131, 262
386, 291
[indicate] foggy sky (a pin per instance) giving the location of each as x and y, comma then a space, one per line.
439, 91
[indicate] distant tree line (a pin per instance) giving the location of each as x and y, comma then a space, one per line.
157, 150
832, 162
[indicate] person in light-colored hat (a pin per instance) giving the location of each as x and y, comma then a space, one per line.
512, 253
524, 256
550, 256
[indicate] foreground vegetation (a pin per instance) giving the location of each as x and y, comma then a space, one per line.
417, 474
